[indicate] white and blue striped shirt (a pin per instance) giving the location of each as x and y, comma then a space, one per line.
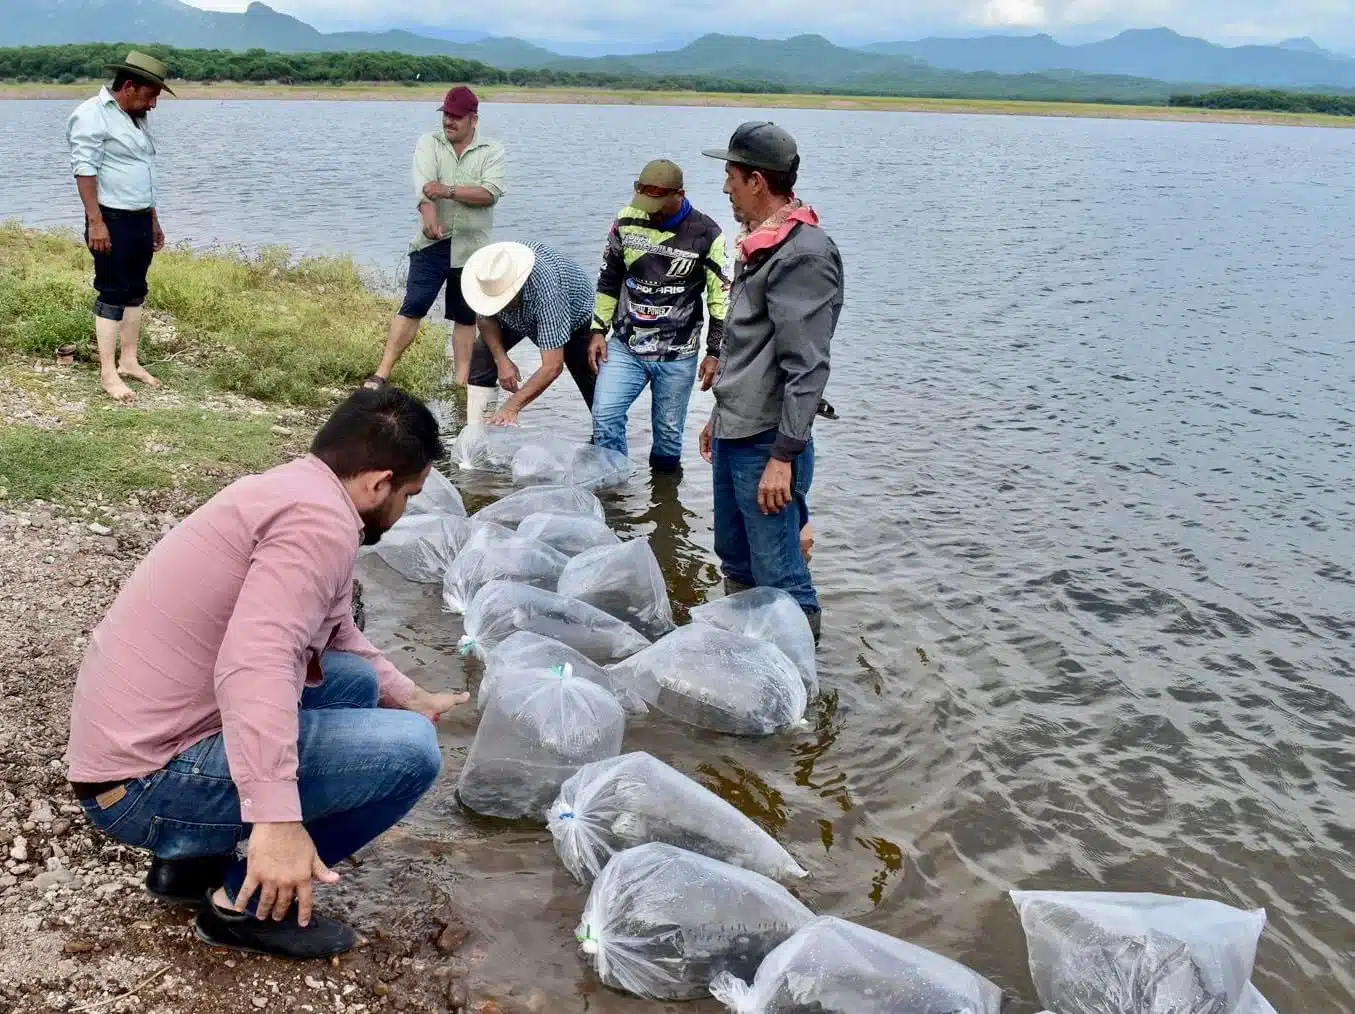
106, 143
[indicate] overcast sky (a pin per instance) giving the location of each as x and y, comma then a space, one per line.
1330, 22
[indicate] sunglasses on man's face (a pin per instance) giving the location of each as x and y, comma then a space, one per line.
656, 192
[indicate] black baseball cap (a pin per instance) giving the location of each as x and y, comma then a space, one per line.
760, 144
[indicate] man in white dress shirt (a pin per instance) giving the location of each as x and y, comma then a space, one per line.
113, 158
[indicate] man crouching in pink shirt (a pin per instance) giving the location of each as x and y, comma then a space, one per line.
229, 698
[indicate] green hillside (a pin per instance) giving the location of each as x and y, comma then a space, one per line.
752, 68
61, 64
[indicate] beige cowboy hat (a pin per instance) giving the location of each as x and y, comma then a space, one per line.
494, 274
145, 67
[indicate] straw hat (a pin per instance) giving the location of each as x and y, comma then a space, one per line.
494, 274
145, 67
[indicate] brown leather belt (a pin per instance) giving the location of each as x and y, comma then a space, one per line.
85, 791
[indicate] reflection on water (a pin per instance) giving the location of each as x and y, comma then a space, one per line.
746, 790
1084, 524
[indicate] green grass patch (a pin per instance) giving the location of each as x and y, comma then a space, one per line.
265, 325
116, 452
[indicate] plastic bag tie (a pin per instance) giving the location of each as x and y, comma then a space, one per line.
587, 941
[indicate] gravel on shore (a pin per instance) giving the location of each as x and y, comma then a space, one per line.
78, 932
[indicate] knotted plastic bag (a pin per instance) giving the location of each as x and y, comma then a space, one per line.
539, 727
623, 580
768, 614
512, 558
662, 922
421, 548
613, 805
1107, 953
559, 463
502, 607
438, 496
831, 966
571, 534
528, 650
719, 680
488, 448
523, 503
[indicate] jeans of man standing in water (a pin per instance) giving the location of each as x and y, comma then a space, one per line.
360, 770
621, 379
757, 549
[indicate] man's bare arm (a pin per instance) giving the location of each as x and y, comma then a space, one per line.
88, 188
475, 197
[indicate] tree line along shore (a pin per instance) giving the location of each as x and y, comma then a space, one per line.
259, 73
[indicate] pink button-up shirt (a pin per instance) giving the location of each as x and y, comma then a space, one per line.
216, 630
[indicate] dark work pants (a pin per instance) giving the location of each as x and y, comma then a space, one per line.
483, 372
120, 274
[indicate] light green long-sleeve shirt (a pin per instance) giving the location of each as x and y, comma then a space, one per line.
481, 165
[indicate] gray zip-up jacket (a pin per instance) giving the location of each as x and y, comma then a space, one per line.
783, 308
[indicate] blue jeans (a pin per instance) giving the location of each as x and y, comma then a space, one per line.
759, 549
360, 770
622, 377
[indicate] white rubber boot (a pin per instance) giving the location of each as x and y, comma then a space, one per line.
480, 404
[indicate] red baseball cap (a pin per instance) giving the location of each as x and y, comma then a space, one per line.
460, 101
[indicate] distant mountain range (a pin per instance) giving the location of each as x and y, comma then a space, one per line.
808, 61
1154, 53
57, 22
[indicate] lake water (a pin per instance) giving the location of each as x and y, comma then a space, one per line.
1085, 523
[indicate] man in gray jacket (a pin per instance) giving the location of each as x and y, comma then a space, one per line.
783, 308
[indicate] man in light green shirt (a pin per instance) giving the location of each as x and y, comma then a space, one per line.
458, 178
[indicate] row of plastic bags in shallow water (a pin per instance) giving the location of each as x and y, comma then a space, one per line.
540, 570
538, 459
542, 560
669, 924
685, 898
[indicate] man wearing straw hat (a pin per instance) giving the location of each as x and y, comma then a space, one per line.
113, 159
526, 290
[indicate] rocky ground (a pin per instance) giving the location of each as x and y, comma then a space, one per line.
78, 933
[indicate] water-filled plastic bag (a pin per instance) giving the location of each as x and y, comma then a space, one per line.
831, 966
623, 580
488, 448
421, 548
719, 680
768, 614
515, 558
527, 650
571, 534
558, 463
613, 805
1107, 953
523, 503
662, 922
438, 496
538, 728
502, 607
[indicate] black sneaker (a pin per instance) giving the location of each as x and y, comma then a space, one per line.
185, 881
285, 938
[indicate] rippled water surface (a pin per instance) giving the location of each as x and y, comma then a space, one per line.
1084, 525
